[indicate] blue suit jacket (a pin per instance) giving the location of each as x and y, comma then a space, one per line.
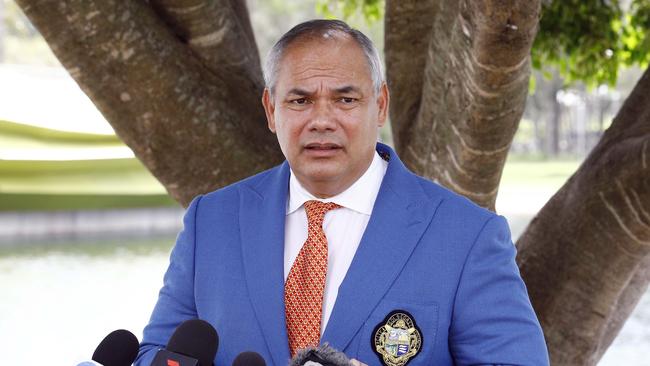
426, 250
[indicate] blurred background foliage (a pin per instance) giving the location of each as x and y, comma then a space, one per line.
20, 42
372, 10
591, 40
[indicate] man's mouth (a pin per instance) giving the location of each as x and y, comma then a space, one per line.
325, 150
322, 146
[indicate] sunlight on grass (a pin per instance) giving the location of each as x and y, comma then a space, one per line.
550, 174
55, 202
108, 176
527, 184
47, 169
25, 142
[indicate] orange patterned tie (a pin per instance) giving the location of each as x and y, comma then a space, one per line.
303, 291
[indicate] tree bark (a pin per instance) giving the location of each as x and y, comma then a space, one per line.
625, 304
456, 125
219, 33
185, 98
409, 28
585, 257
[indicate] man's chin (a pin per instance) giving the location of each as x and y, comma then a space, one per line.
323, 176
319, 174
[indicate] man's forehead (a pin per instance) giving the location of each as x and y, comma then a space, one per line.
334, 59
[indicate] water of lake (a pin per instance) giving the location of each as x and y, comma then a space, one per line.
61, 300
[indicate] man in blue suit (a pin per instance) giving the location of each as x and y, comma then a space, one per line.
411, 272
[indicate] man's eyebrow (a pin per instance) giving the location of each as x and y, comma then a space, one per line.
342, 90
298, 91
347, 89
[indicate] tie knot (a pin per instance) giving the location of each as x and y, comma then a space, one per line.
316, 210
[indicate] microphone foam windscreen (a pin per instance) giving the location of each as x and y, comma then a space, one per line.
195, 338
119, 348
323, 355
249, 358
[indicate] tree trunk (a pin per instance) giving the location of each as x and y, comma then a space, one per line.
409, 28
585, 256
455, 126
179, 81
624, 306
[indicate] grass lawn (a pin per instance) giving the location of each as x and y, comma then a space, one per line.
23, 134
50, 202
535, 173
78, 184
46, 184
103, 176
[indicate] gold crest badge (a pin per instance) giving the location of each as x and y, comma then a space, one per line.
397, 339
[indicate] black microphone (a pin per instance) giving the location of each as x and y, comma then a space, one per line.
323, 355
118, 348
249, 358
194, 343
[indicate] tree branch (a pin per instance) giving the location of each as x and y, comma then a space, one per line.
625, 304
161, 99
582, 257
408, 28
219, 32
474, 93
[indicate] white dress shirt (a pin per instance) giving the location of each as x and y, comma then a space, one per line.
343, 227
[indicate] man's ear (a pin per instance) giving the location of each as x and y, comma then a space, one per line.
269, 109
383, 100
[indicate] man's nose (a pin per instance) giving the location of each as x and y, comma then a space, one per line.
323, 117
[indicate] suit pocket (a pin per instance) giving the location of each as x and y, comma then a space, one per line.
425, 317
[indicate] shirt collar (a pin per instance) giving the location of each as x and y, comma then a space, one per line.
360, 196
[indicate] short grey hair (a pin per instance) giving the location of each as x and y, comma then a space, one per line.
315, 29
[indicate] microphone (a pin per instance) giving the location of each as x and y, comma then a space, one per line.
249, 358
118, 348
194, 343
323, 355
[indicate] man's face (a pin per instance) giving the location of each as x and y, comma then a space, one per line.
326, 113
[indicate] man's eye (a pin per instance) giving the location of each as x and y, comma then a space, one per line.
347, 100
299, 101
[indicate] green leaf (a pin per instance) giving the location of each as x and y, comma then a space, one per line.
572, 38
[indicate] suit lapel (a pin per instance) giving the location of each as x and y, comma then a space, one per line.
401, 213
262, 215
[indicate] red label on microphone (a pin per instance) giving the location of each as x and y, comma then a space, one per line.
167, 358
